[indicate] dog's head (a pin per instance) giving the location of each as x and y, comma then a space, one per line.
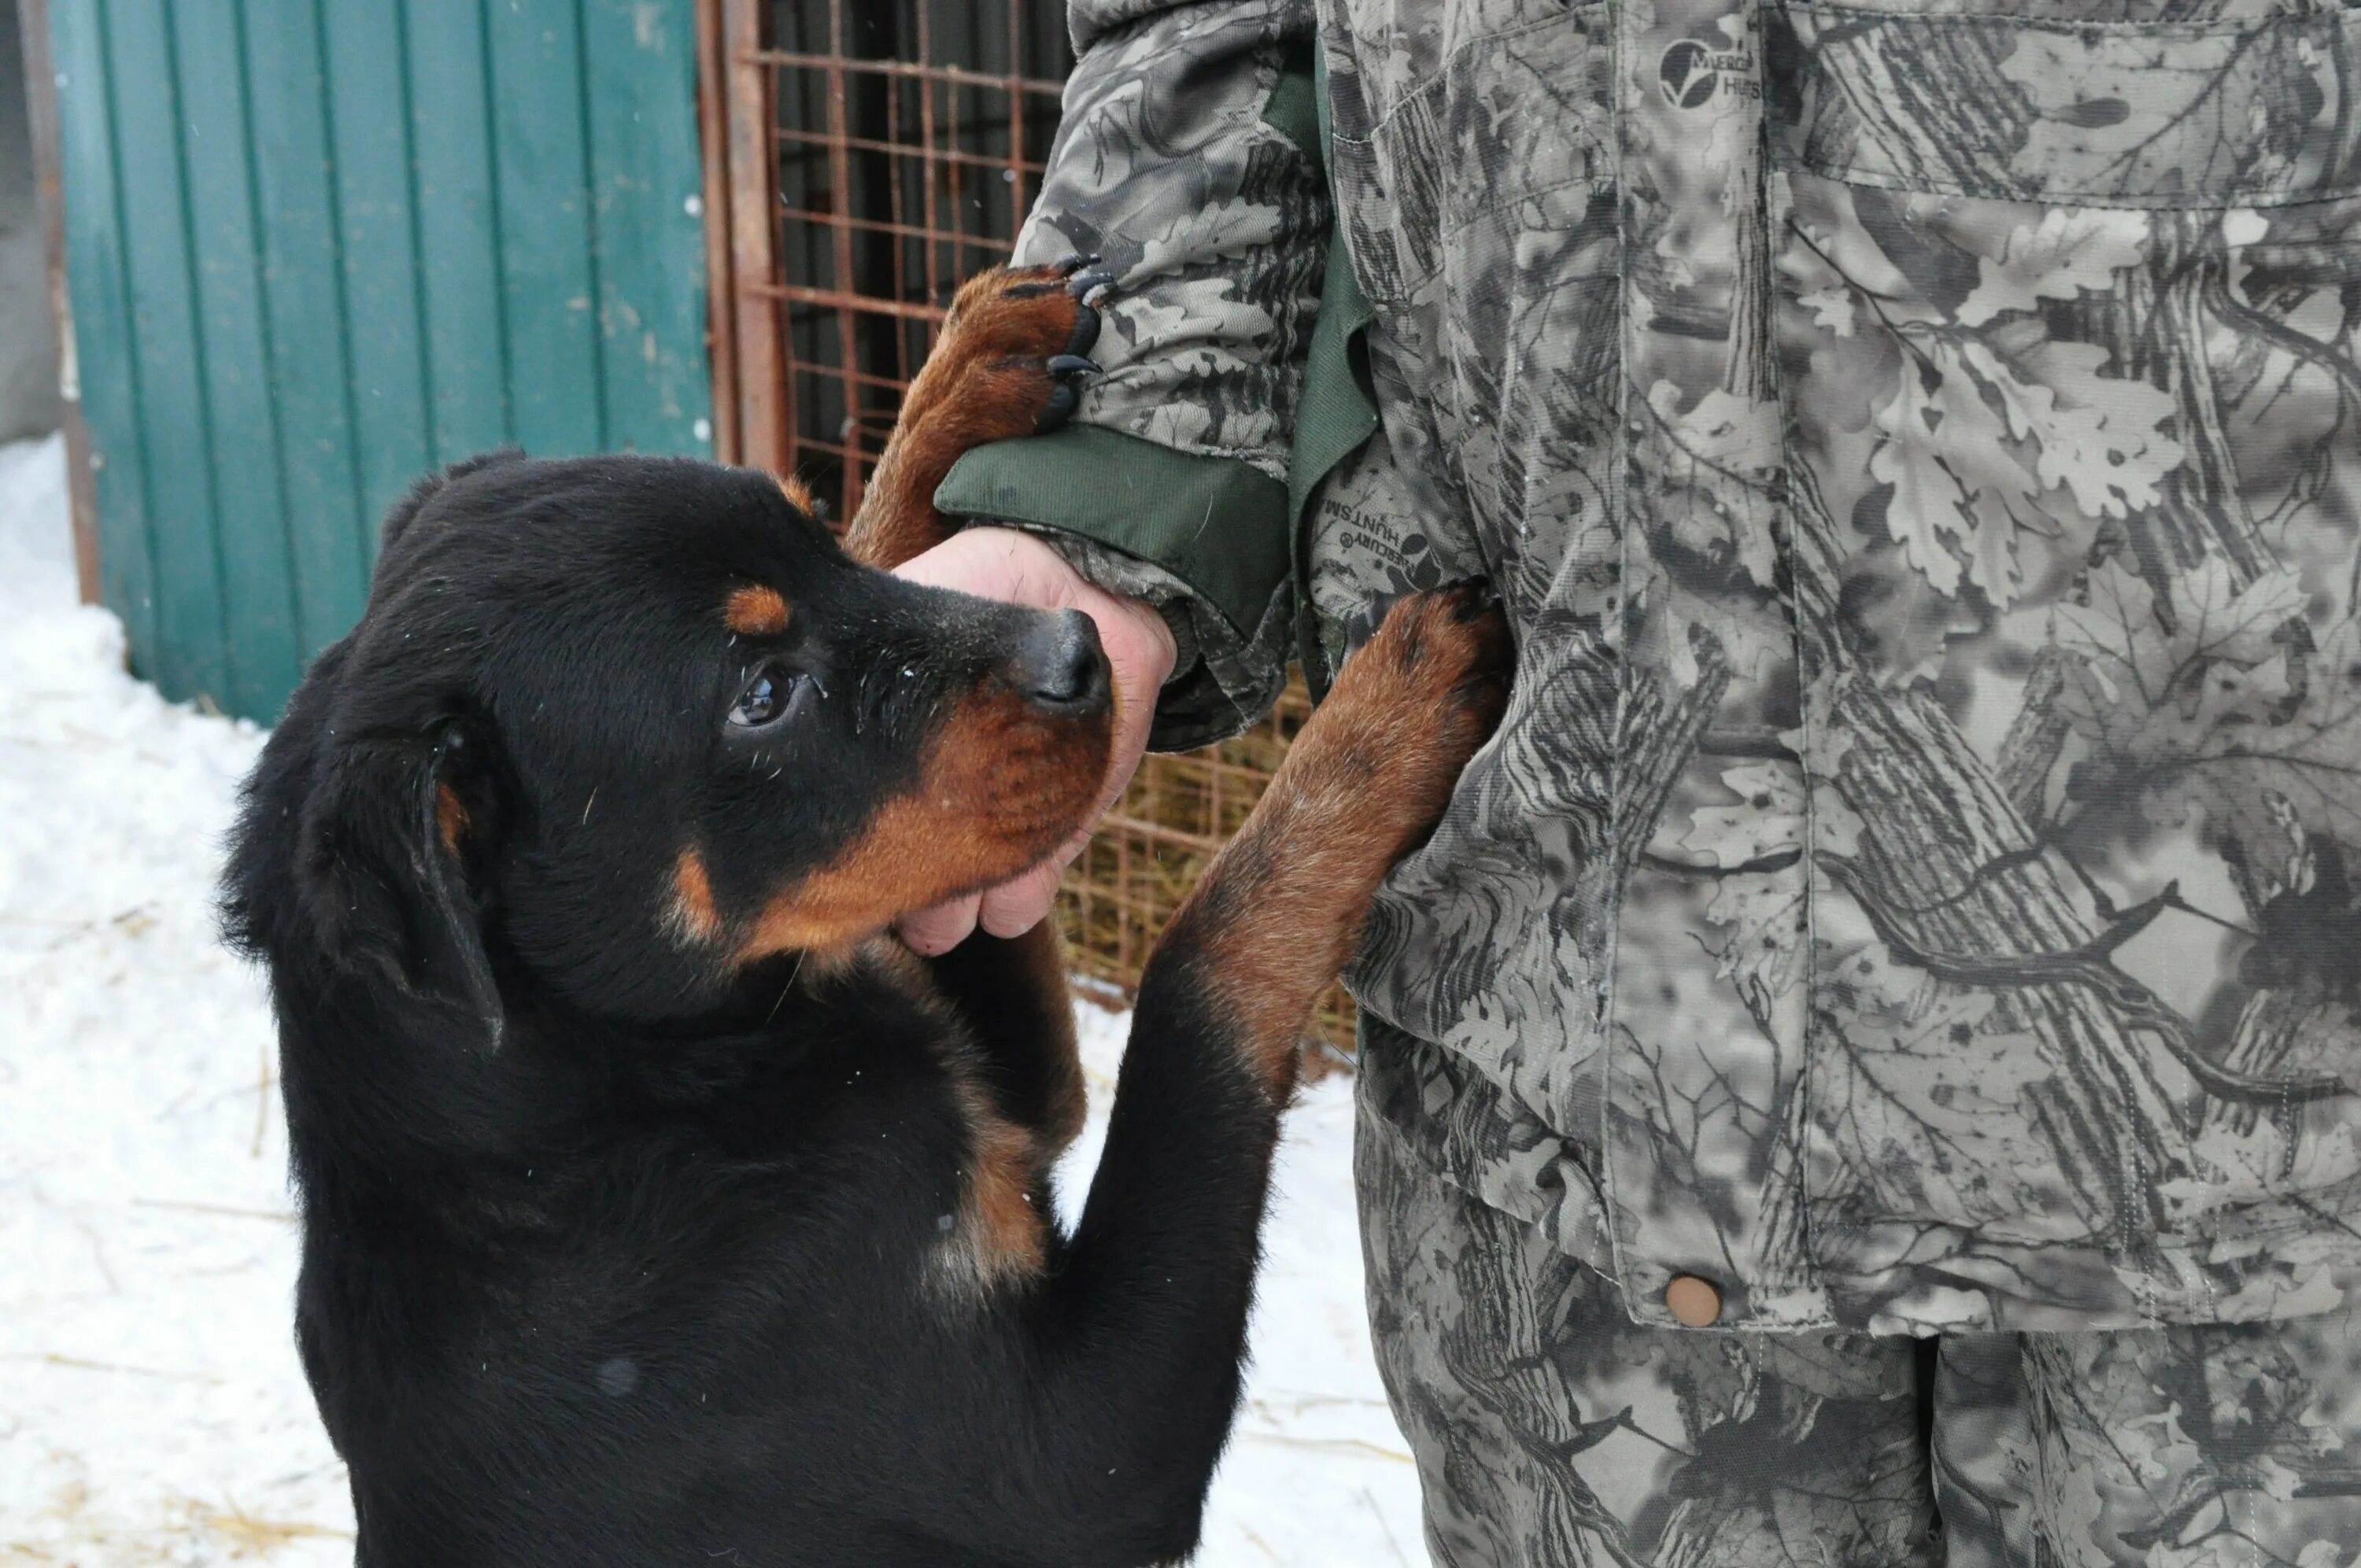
621, 731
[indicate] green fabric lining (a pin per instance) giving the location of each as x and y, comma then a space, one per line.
1217, 524
1339, 410
1338, 414
1295, 109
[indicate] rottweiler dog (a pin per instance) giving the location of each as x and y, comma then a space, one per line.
657, 1206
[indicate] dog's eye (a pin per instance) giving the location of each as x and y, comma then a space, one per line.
764, 700
776, 697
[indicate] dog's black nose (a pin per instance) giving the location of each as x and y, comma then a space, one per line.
1059, 666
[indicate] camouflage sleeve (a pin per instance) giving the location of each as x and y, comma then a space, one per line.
1188, 161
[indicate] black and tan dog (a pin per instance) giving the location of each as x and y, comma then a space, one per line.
657, 1208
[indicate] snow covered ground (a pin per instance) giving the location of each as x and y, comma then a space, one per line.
152, 1409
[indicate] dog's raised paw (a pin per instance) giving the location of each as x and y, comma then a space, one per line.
1408, 711
1016, 348
1445, 653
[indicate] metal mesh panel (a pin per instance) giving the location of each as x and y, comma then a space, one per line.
905, 139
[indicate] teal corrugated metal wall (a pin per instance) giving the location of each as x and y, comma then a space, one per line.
317, 246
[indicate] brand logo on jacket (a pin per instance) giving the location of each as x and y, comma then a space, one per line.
1693, 71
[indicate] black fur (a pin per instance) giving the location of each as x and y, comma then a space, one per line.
618, 1251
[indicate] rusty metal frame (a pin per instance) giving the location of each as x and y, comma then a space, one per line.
752, 234
859, 189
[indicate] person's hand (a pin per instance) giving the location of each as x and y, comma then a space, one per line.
1016, 568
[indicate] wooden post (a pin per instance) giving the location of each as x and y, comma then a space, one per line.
753, 207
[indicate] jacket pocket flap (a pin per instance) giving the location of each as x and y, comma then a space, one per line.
2252, 112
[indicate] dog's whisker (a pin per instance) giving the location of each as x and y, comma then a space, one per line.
789, 986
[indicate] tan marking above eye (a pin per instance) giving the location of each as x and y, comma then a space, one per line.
693, 898
755, 610
799, 495
450, 816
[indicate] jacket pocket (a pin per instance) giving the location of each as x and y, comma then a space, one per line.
1514, 113
1480, 217
2068, 317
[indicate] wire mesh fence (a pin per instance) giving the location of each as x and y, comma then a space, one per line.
872, 155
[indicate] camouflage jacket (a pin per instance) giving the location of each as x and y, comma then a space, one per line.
1915, 887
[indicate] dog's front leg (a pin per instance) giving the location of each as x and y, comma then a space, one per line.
1148, 1315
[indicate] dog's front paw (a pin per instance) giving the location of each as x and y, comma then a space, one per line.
1444, 651
1016, 348
1439, 670
1014, 352
1411, 706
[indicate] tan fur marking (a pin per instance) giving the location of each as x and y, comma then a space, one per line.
1000, 789
798, 494
1283, 906
881, 956
999, 1236
693, 898
755, 610
1007, 1231
450, 816
994, 1234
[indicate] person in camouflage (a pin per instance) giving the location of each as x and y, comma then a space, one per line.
1867, 1071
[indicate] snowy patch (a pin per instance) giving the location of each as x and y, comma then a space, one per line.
151, 1408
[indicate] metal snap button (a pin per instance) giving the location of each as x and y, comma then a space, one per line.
1694, 1303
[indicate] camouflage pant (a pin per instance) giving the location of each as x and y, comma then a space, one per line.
1551, 1431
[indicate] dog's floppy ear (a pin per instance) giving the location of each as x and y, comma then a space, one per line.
391, 827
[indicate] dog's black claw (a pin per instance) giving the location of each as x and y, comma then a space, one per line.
1063, 400
1073, 365
1074, 264
1086, 331
1477, 596
1091, 287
